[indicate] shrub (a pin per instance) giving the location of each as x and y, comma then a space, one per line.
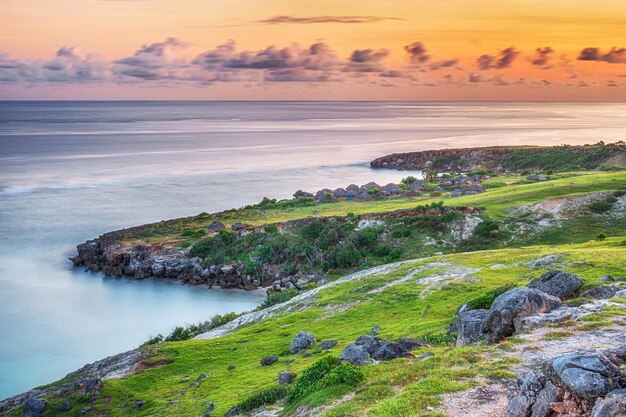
439, 339
192, 330
601, 236
600, 207
408, 180
366, 238
266, 396
344, 256
344, 374
400, 231
486, 228
305, 383
277, 297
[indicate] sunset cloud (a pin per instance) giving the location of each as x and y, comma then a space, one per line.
614, 56
417, 52
285, 19
542, 57
503, 60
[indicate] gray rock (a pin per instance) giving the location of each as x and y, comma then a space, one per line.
409, 344
531, 396
91, 385
139, 404
614, 405
202, 376
355, 354
302, 341
370, 343
231, 367
514, 304
34, 407
606, 278
233, 412
558, 284
536, 321
375, 330
600, 292
327, 344
286, 377
587, 375
469, 326
269, 360
544, 261
389, 351
210, 409
184, 379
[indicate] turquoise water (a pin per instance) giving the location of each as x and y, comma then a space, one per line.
70, 171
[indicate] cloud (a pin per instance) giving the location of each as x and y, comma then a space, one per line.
611, 83
366, 60
444, 63
542, 57
474, 78
285, 19
613, 56
417, 52
504, 59
156, 61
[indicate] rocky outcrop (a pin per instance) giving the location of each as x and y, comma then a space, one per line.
512, 306
469, 326
468, 159
558, 284
113, 254
369, 347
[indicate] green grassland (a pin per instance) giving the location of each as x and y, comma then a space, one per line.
402, 300
496, 202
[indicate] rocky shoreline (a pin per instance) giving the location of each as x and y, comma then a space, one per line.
114, 255
495, 158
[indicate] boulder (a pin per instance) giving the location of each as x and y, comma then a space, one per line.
355, 354
469, 326
531, 396
606, 278
614, 405
286, 377
390, 350
269, 360
301, 342
370, 343
409, 344
34, 407
375, 330
516, 303
586, 375
558, 284
600, 292
327, 344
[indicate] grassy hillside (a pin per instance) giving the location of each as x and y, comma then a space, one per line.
415, 298
495, 201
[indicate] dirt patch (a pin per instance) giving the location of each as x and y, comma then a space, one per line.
488, 399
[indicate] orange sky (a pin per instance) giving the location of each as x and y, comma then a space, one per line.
109, 31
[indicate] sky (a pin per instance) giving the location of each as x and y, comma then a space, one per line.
556, 50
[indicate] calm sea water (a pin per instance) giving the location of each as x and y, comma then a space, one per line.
70, 171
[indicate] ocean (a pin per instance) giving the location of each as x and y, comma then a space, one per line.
70, 171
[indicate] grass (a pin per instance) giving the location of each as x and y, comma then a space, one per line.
495, 201
407, 308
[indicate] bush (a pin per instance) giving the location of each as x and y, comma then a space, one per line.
366, 238
486, 228
268, 396
344, 374
344, 256
192, 330
601, 206
601, 236
408, 180
439, 339
400, 231
305, 383
277, 297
